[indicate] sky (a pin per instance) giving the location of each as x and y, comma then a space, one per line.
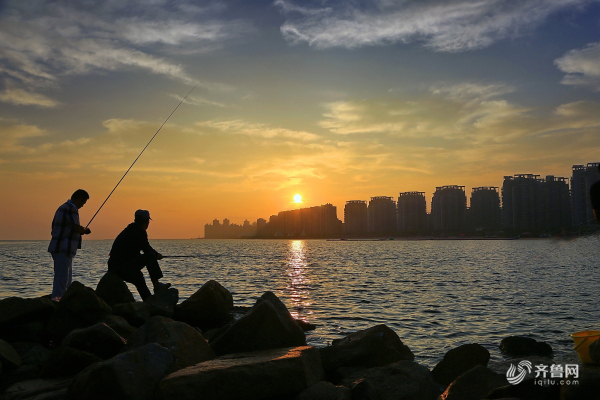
334, 100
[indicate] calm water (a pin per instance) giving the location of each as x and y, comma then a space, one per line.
435, 294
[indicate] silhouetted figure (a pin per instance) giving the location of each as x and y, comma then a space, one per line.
127, 262
595, 198
66, 239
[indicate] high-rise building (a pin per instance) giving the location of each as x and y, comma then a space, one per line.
485, 212
412, 212
355, 218
382, 216
448, 208
582, 179
557, 204
318, 221
523, 203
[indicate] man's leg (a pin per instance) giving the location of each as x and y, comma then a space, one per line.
155, 272
134, 276
63, 266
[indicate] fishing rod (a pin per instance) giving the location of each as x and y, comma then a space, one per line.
144, 149
179, 256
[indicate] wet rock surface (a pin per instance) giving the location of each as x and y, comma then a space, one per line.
518, 346
458, 361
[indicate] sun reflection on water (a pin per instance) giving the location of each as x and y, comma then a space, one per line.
299, 284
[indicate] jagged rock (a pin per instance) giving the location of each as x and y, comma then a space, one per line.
67, 361
474, 384
9, 358
518, 346
363, 390
208, 308
38, 389
16, 310
280, 373
99, 339
595, 351
119, 325
306, 326
32, 353
458, 361
62, 323
163, 302
185, 343
261, 328
404, 380
136, 313
588, 387
526, 390
83, 302
113, 290
325, 391
373, 347
133, 375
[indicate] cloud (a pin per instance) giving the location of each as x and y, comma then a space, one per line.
449, 26
42, 41
23, 97
240, 127
582, 66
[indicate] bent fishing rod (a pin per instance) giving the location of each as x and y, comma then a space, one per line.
144, 149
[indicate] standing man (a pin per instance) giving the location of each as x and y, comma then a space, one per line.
127, 262
66, 239
595, 198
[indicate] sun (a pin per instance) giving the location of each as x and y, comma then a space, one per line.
297, 198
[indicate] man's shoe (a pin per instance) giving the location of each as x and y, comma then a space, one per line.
160, 286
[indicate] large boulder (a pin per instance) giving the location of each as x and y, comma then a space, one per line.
67, 361
119, 325
83, 302
163, 302
37, 389
474, 384
208, 308
527, 389
403, 380
261, 328
135, 313
9, 358
587, 387
185, 343
32, 353
458, 361
133, 375
280, 373
373, 347
98, 339
25, 319
518, 346
325, 391
113, 290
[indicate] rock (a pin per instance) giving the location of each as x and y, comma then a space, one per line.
99, 339
518, 346
62, 323
458, 361
185, 343
17, 310
32, 353
113, 290
474, 384
280, 373
163, 302
136, 313
208, 308
133, 375
587, 388
595, 351
306, 326
67, 361
325, 391
9, 358
119, 325
526, 390
83, 302
38, 389
363, 390
262, 328
373, 347
402, 380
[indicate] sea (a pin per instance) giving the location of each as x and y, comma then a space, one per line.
435, 294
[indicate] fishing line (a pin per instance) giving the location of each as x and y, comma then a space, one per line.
148, 144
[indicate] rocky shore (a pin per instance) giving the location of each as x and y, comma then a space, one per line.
102, 344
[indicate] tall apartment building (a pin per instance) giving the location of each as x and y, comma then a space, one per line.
583, 177
485, 211
557, 204
318, 221
448, 208
412, 212
382, 216
356, 218
522, 203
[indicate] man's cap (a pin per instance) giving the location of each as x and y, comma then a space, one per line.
142, 214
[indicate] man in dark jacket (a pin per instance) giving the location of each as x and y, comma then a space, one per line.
127, 262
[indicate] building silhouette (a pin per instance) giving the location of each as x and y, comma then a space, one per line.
557, 204
522, 203
485, 212
216, 230
582, 179
412, 212
314, 222
448, 209
356, 218
382, 216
